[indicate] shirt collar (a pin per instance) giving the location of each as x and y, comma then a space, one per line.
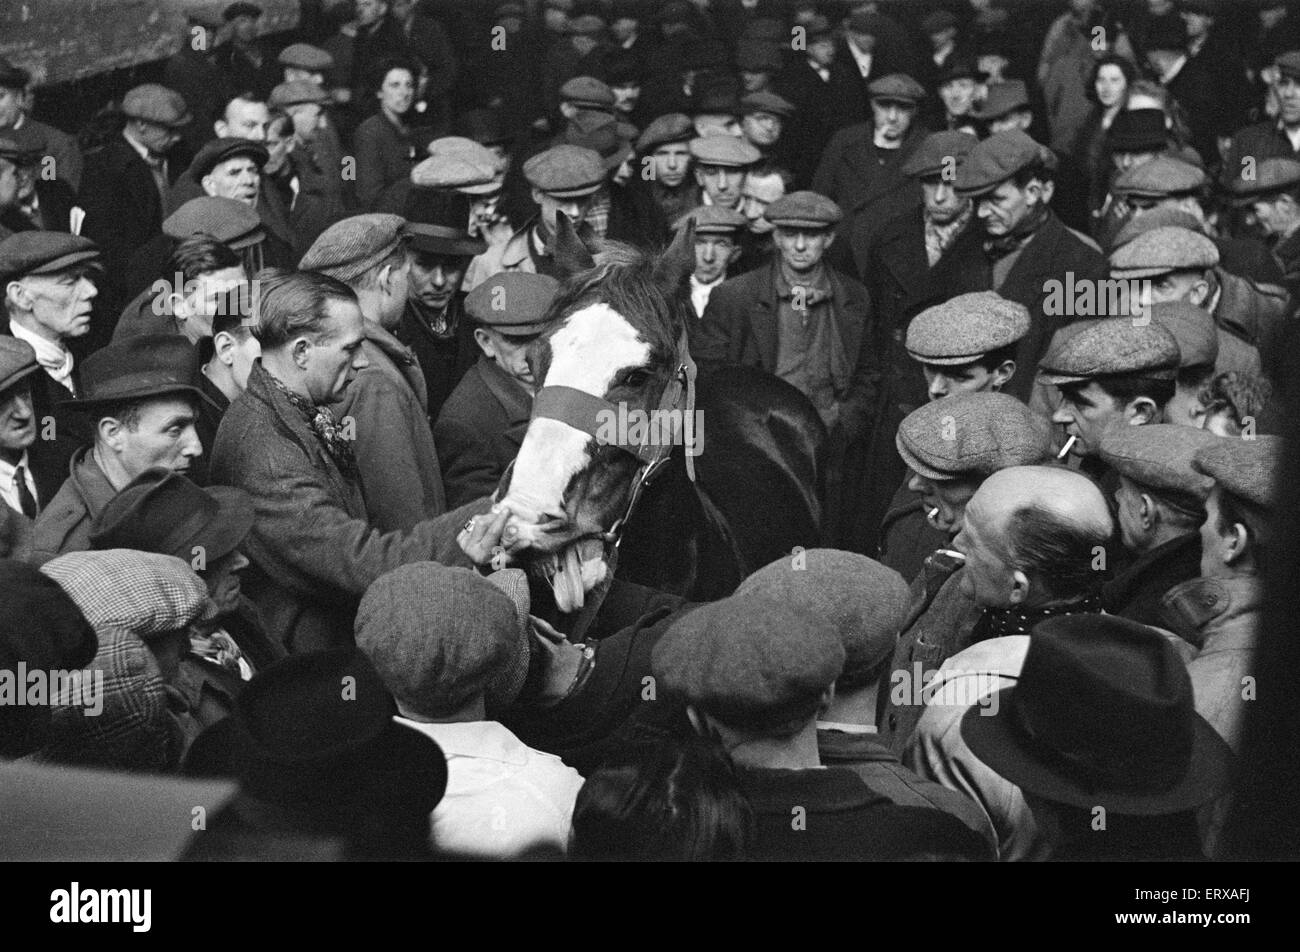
49, 354
485, 740
7, 469
140, 149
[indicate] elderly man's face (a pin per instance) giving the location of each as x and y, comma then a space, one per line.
944, 500
435, 278
958, 96
987, 576
11, 106
61, 302
236, 178
164, 436
722, 183
336, 357
1007, 206
17, 418
942, 203
802, 248
671, 163
762, 128
759, 192
244, 120
892, 119
712, 255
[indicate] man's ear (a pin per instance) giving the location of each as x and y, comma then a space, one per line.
18, 296
1200, 292
1003, 373
1234, 543
484, 341
1019, 587
109, 430
699, 176
209, 186
301, 347
220, 127
1148, 512
223, 346
824, 702
1141, 411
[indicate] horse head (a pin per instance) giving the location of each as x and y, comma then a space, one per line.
612, 359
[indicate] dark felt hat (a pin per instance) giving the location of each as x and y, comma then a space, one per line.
149, 365
437, 221
1138, 130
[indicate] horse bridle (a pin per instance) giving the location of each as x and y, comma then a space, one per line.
583, 411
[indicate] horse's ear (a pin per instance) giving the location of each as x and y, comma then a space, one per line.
677, 263
571, 255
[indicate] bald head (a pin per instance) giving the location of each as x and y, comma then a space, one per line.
1034, 536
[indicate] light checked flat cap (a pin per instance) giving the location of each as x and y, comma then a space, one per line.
1161, 250
1272, 175
729, 151
1193, 329
305, 56
232, 223
939, 151
1245, 468
1163, 176
803, 210
513, 302
969, 435
295, 92
714, 220
589, 93
155, 103
461, 164
896, 87
965, 328
671, 127
1159, 456
765, 101
1111, 347
351, 247
997, 158
566, 171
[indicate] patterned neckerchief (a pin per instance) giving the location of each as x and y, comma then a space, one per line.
1000, 622
326, 428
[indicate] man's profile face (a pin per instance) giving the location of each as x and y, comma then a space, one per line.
334, 358
712, 255
1189, 286
1087, 412
1288, 100
721, 183
509, 351
1007, 206
9, 184
986, 577
244, 120
943, 500
435, 279
671, 163
238, 178
207, 295
943, 381
892, 119
942, 203
165, 436
801, 249
62, 302
17, 418
1212, 564
759, 192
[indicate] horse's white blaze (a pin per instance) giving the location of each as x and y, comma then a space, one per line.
594, 344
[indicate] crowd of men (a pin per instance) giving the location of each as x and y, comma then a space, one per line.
1032, 267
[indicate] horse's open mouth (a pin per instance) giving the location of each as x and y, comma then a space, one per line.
573, 570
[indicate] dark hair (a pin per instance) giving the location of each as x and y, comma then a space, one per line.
1057, 553
1126, 388
200, 254
128, 412
766, 168
234, 314
994, 359
1110, 59
1196, 376
1246, 395
246, 95
678, 800
1235, 509
379, 72
290, 303
1038, 169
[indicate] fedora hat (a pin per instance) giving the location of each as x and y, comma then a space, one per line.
146, 366
437, 221
162, 511
1102, 715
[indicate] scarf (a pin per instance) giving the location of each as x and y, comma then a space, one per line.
55, 359
939, 238
1000, 622
326, 428
1003, 245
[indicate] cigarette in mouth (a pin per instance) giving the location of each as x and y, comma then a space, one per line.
1065, 450
933, 512
953, 554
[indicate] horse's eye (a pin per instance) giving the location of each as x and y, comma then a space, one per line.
637, 378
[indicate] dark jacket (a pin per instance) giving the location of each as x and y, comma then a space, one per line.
64, 524
480, 430
50, 458
211, 411
856, 174
1137, 591
205, 88
123, 207
314, 552
906, 537
385, 156
242, 73
444, 360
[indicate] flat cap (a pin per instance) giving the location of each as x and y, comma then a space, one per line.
1163, 176
1272, 175
461, 164
1193, 329
295, 92
965, 328
865, 601
938, 152
1159, 456
589, 93
758, 56
17, 361
1288, 63
765, 101
605, 141
751, 661
305, 56
714, 220
896, 87
144, 592
241, 9
230, 222
351, 247
1246, 468
154, 103
1109, 347
13, 77
1001, 99
996, 159
43, 252
1138, 130
586, 25
803, 210
717, 99
937, 22
864, 21
728, 151
1159, 217
1161, 250
972, 434
566, 171
513, 302
671, 127
216, 151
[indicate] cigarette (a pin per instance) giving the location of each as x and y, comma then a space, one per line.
953, 554
933, 512
1065, 450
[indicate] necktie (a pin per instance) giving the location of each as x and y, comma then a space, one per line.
25, 497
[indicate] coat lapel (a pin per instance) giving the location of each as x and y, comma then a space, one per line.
762, 321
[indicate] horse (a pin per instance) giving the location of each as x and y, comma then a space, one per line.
615, 350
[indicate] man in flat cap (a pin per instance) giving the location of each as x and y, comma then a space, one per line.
244, 59
820, 107
956, 85
666, 144
871, 45
1160, 507
387, 402
482, 424
764, 184
140, 397
721, 163
762, 120
36, 200
1010, 178
1274, 197
192, 71
580, 53
19, 487
807, 323
316, 156
1275, 137
715, 109
717, 247
58, 151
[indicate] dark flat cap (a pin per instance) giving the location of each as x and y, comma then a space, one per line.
148, 365
484, 126
965, 328
996, 159
752, 662
351, 247
714, 220
241, 9
1002, 99
896, 87
864, 21
1110, 347
969, 435
766, 28
938, 152
296, 92
589, 93
758, 56
717, 99
513, 302
671, 127
17, 361
154, 103
305, 56
1159, 456
1193, 329
230, 222
1275, 174
1248, 468
43, 252
1138, 130
764, 101
1161, 250
566, 171
13, 77
1162, 177
605, 141
803, 210
216, 151
728, 151
1288, 63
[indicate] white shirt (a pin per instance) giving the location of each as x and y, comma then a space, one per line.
9, 482
862, 59
54, 358
1293, 135
820, 70
502, 796
700, 293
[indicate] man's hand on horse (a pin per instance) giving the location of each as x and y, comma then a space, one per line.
480, 539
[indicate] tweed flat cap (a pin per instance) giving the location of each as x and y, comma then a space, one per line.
472, 175
714, 220
513, 302
937, 22
1273, 175
305, 56
966, 435
146, 593
216, 151
1245, 468
588, 92
43, 252
437, 635
865, 601
155, 103
296, 92
17, 361
566, 171
1192, 328
938, 152
1106, 348
965, 328
230, 222
1288, 63
1161, 250
586, 25
1160, 217
896, 87
1002, 99
765, 101
1138, 130
1161, 177
803, 210
758, 56
671, 127
750, 661
351, 247
727, 151
996, 159
1158, 456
